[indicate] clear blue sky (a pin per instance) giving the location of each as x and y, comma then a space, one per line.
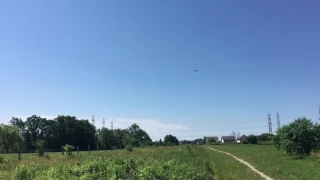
130, 60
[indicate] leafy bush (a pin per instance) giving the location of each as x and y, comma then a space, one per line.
245, 141
39, 147
129, 147
300, 137
252, 139
25, 172
68, 149
265, 137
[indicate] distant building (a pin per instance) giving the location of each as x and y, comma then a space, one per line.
180, 142
228, 139
206, 138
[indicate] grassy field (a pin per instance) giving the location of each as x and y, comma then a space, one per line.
274, 163
176, 162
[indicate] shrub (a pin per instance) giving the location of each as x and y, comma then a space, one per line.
252, 139
25, 172
129, 147
300, 137
265, 137
68, 149
39, 147
245, 141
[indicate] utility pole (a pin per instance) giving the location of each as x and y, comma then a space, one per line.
111, 125
103, 123
278, 120
269, 123
319, 112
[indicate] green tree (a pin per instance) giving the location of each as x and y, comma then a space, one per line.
170, 139
36, 128
252, 139
137, 137
106, 138
160, 142
10, 138
300, 137
39, 144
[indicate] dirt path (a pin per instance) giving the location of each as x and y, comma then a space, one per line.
245, 163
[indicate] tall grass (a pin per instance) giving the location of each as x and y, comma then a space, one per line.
178, 162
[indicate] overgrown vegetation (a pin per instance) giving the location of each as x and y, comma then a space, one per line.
176, 162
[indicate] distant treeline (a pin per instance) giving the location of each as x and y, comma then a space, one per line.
64, 130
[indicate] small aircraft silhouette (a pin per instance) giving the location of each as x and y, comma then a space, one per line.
195, 70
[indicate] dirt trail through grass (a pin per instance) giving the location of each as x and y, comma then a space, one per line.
245, 163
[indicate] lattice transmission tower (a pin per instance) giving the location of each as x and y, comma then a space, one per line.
270, 123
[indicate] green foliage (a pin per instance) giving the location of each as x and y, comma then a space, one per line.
252, 139
158, 163
68, 130
10, 138
54, 133
265, 137
300, 137
68, 149
211, 140
137, 137
245, 141
25, 172
39, 147
171, 140
129, 148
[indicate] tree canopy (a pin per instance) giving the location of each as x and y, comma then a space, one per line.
300, 137
10, 138
69, 130
170, 139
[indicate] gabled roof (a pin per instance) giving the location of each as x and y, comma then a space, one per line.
228, 137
